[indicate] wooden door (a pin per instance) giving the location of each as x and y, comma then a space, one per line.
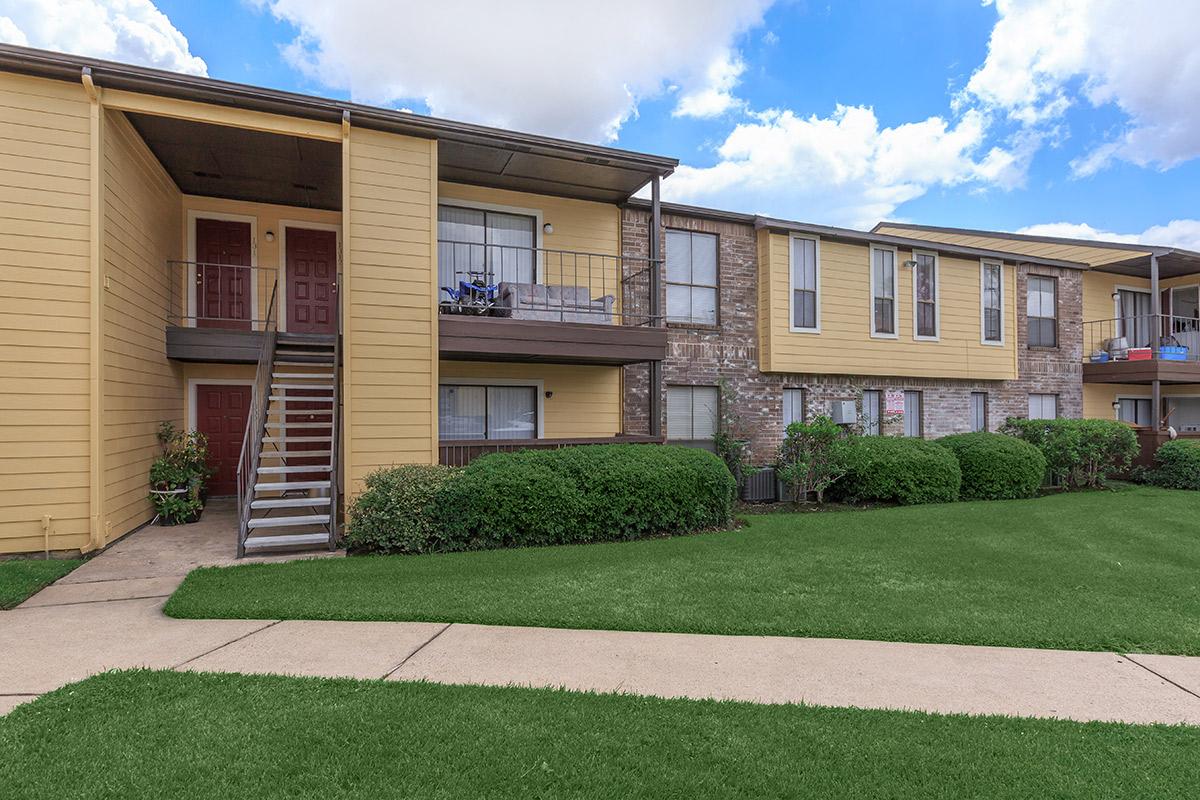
223, 289
311, 281
221, 415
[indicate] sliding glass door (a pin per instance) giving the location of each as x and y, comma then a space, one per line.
478, 243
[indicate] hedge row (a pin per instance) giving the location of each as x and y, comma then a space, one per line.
1177, 465
543, 497
995, 466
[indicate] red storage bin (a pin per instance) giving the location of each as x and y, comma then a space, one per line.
1140, 353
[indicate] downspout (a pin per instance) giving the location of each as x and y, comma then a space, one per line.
347, 369
96, 320
1156, 310
655, 304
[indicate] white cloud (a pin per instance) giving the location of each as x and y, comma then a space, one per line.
132, 31
1138, 56
716, 97
569, 69
842, 169
1183, 233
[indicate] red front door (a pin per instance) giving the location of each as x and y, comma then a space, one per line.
223, 253
221, 414
311, 281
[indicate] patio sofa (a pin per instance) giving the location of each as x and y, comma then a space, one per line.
536, 301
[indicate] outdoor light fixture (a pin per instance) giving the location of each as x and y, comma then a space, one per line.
1115, 294
547, 228
910, 263
269, 236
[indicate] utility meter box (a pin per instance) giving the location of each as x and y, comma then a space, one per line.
844, 412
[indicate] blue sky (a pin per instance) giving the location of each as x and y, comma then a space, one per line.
1003, 115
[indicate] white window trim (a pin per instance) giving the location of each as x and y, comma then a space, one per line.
803, 403
192, 383
792, 285
984, 263
194, 214
895, 292
1120, 287
539, 268
937, 297
539, 385
987, 402
284, 224
1171, 296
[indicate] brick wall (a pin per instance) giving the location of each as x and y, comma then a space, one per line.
702, 355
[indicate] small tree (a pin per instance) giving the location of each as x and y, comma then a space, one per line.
733, 450
811, 457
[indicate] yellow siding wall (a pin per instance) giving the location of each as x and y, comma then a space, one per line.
586, 401
1084, 254
141, 387
1099, 397
44, 312
390, 328
579, 226
765, 291
845, 346
267, 217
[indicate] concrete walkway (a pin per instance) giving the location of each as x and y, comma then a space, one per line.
107, 614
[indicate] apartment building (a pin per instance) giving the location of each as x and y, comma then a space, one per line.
924, 337
324, 288
321, 288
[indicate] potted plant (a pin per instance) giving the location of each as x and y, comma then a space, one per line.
178, 476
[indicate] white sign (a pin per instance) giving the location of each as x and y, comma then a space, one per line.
894, 402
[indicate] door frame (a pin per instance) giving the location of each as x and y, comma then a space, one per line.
284, 224
194, 214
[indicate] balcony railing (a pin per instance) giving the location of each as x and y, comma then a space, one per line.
207, 295
534, 283
1142, 337
460, 452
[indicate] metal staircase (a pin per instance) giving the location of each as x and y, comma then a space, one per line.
288, 473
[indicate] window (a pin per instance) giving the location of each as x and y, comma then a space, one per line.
925, 295
793, 406
494, 245
979, 409
487, 412
872, 412
1043, 406
1133, 317
806, 292
1135, 411
691, 412
883, 292
1185, 308
691, 277
991, 301
1042, 310
913, 423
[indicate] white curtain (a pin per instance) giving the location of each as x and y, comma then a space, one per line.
512, 412
460, 246
462, 412
1136, 325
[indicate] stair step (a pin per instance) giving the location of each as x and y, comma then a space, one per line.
288, 352
290, 540
291, 439
287, 486
294, 453
299, 424
308, 387
314, 362
302, 399
288, 522
290, 502
327, 376
295, 470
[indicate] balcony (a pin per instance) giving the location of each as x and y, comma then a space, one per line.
1142, 349
530, 304
218, 312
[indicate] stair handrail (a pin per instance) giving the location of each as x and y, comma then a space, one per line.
335, 431
248, 459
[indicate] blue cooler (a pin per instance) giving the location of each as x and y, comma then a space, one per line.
1172, 352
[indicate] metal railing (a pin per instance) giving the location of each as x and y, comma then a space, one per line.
535, 283
1142, 337
460, 452
248, 459
230, 296
335, 420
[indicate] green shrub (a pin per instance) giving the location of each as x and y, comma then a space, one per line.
810, 458
392, 515
583, 494
1177, 465
889, 469
995, 466
1080, 453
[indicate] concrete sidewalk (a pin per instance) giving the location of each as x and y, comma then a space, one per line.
107, 614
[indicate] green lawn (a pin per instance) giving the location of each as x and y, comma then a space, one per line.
22, 578
1116, 570
164, 734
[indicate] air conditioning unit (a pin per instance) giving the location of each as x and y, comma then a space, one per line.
844, 412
